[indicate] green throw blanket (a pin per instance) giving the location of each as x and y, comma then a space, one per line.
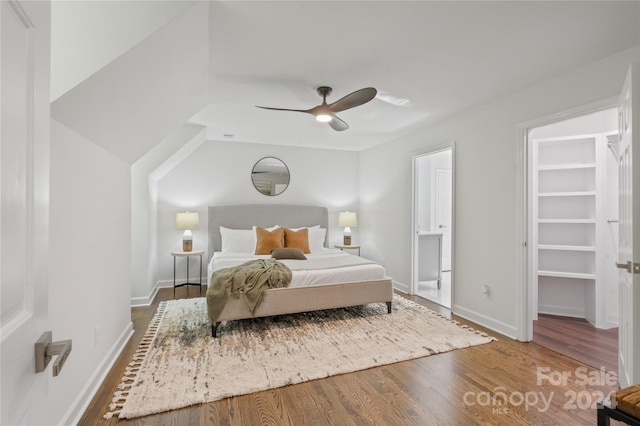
250, 279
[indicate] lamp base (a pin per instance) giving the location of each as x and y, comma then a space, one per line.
187, 245
347, 240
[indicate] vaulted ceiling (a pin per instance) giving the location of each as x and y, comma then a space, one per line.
213, 63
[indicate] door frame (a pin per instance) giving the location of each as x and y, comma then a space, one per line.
414, 205
526, 296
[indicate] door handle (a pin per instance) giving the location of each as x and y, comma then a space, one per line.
46, 349
626, 266
631, 267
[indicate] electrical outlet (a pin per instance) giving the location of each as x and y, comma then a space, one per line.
486, 291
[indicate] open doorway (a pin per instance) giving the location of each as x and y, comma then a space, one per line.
433, 226
572, 220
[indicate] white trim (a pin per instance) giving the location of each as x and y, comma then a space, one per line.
137, 302
14, 324
401, 287
612, 321
485, 321
524, 320
79, 406
565, 311
450, 145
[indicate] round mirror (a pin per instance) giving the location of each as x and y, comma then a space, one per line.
270, 176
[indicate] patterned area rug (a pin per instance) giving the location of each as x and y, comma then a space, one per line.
179, 364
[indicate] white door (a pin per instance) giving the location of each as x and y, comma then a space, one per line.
443, 214
24, 174
629, 234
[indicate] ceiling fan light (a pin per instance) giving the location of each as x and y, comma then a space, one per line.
324, 118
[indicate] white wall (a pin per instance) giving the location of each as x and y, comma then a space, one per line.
487, 247
87, 35
144, 207
90, 264
219, 173
131, 104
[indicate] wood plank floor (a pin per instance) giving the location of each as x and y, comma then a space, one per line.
501, 383
578, 339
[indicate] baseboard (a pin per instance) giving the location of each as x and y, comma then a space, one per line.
401, 287
137, 302
563, 311
79, 406
485, 321
612, 321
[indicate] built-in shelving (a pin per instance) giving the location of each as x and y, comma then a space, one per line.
567, 166
576, 275
565, 247
567, 221
565, 193
568, 194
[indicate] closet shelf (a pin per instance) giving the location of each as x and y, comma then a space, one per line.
565, 247
567, 194
566, 166
561, 274
567, 221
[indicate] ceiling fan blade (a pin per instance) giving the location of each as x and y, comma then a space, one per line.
286, 109
337, 124
354, 99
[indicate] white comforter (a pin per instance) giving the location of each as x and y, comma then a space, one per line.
328, 266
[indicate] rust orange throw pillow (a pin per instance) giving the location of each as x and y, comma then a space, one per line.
297, 239
267, 241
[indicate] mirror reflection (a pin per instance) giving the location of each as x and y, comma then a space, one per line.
270, 176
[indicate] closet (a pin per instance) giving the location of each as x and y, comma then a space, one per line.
573, 186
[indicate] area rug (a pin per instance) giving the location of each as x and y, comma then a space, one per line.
179, 364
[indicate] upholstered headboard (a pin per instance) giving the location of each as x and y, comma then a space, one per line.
246, 215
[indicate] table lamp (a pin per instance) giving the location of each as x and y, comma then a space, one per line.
187, 221
347, 219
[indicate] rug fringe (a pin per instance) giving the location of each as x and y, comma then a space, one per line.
131, 371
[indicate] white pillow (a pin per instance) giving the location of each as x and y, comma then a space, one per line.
316, 238
238, 240
310, 227
268, 229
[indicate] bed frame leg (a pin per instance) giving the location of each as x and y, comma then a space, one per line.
388, 307
214, 330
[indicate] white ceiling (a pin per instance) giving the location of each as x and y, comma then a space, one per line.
428, 60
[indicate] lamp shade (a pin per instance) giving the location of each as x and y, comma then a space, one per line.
347, 219
187, 220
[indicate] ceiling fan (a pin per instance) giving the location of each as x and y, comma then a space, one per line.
326, 112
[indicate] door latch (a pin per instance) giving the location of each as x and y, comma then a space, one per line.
47, 349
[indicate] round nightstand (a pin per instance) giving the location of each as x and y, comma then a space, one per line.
187, 254
350, 247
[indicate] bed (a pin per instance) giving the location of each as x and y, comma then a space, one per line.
347, 285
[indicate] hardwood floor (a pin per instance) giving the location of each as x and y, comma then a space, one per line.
578, 339
501, 383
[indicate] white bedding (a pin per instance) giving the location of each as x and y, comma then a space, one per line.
317, 274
